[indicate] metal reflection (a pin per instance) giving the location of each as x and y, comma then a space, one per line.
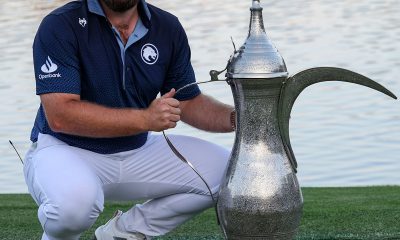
260, 197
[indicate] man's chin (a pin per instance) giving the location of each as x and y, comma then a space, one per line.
120, 5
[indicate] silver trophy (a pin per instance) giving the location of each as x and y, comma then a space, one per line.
260, 197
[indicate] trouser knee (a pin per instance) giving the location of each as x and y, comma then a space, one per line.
68, 220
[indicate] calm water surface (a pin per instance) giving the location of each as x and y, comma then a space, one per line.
342, 134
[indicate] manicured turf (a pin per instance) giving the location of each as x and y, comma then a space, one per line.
329, 213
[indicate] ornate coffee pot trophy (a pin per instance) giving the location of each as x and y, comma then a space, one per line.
260, 197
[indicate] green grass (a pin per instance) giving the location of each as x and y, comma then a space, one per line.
371, 213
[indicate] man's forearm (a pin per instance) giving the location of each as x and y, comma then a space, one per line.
208, 114
91, 120
67, 113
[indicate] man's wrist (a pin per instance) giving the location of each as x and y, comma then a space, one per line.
144, 120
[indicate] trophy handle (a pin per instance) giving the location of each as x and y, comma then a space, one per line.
294, 85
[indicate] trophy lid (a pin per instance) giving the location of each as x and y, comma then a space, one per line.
258, 57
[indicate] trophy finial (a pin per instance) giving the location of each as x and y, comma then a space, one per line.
256, 4
258, 57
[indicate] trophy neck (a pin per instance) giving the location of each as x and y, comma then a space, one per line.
256, 104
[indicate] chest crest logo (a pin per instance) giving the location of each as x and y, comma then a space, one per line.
149, 53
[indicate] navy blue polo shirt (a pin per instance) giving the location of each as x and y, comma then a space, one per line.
76, 50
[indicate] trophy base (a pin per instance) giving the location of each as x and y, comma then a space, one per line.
277, 236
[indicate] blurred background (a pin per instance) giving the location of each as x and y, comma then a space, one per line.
342, 134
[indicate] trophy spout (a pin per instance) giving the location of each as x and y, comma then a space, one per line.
294, 85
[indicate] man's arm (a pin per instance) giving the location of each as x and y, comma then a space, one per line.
206, 113
67, 113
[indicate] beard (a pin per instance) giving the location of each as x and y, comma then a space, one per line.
120, 5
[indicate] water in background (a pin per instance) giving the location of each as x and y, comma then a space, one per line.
342, 134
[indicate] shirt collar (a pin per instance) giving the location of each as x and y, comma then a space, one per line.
95, 7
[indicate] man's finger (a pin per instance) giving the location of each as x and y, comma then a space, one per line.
171, 102
172, 125
175, 111
169, 94
174, 118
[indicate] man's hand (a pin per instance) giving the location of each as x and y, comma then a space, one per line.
163, 113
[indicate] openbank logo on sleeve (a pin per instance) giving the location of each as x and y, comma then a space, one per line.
49, 67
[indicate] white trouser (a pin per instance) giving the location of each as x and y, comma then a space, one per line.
70, 184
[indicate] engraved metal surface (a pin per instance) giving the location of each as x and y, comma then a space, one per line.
260, 197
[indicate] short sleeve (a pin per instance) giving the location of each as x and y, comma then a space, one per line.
55, 57
180, 71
